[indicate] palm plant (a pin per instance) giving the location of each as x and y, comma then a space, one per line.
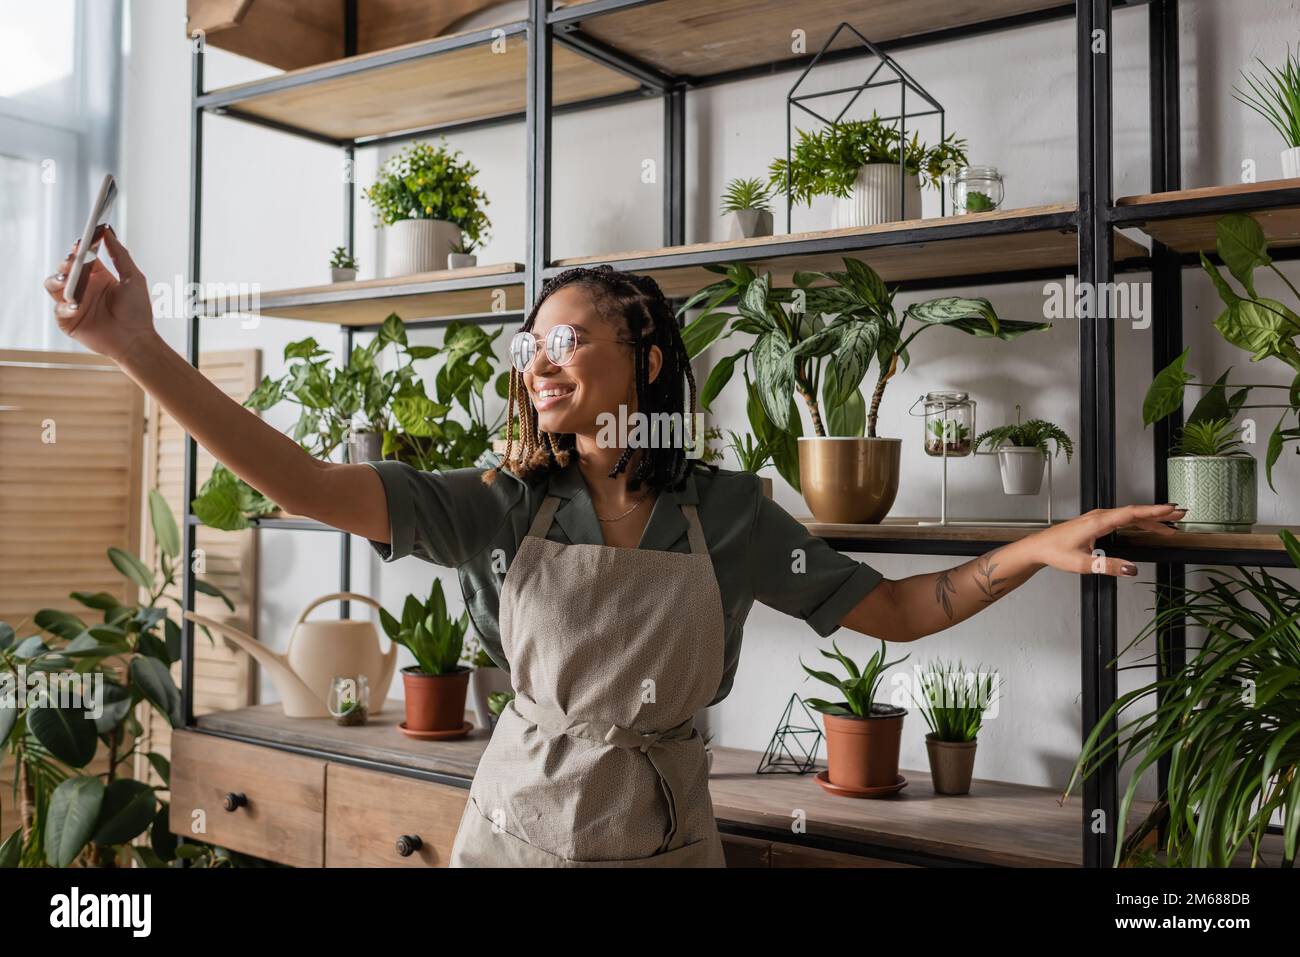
746, 194
859, 688
1228, 721
953, 699
1276, 97
432, 636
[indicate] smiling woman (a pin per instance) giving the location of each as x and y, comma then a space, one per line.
612, 582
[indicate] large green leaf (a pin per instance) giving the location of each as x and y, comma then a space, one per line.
774, 377
974, 316
1242, 247
1226, 292
65, 732
858, 342
127, 808
718, 378
8, 718
1165, 394
70, 819
164, 524
703, 330
132, 568
1262, 327
155, 682
844, 417
784, 443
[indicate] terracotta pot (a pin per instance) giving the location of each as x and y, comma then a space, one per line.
849, 480
863, 752
951, 764
435, 702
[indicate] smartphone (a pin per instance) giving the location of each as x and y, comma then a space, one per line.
88, 249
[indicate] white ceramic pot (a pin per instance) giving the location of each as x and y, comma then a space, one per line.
461, 260
418, 245
1291, 163
482, 682
338, 274
875, 198
1022, 469
748, 223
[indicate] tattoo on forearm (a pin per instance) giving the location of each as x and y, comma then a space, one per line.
990, 586
943, 587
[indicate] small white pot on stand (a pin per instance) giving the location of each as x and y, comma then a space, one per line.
1291, 163
875, 198
1022, 469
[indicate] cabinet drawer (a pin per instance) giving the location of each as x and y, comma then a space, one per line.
791, 855
746, 851
369, 811
278, 798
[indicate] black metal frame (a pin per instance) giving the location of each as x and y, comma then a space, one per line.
1094, 221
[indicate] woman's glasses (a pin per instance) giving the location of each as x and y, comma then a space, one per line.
560, 343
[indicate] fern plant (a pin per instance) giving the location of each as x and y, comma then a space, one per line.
1035, 433
1208, 437
1276, 97
747, 194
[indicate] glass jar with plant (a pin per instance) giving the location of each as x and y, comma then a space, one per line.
868, 168
486, 679
1212, 476
343, 266
67, 812
1264, 327
1022, 451
862, 734
818, 342
746, 208
1228, 720
436, 685
953, 701
1276, 97
427, 198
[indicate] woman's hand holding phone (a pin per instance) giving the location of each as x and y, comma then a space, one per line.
115, 315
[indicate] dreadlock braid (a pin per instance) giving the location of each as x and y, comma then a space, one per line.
643, 309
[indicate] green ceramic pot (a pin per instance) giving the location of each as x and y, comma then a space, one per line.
1218, 491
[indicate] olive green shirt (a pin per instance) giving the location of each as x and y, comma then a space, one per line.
759, 550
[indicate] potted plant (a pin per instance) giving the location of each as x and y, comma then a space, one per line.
227, 502
1227, 720
426, 197
947, 437
497, 702
862, 735
1276, 97
437, 684
1264, 327
1213, 477
485, 680
752, 455
821, 352
745, 206
953, 701
343, 267
462, 254
1022, 452
858, 162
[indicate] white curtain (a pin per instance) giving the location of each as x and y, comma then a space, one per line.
60, 119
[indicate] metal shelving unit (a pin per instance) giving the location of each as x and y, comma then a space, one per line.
582, 35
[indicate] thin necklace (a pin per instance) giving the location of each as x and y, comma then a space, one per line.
634, 507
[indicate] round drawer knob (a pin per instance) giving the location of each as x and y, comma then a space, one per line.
408, 844
233, 801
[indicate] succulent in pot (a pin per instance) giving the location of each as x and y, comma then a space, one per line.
1023, 450
462, 254
343, 266
436, 685
862, 735
953, 701
746, 208
817, 339
1213, 477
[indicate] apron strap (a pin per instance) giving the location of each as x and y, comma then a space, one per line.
694, 531
545, 515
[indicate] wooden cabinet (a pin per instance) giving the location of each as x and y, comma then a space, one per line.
375, 819
260, 801
757, 852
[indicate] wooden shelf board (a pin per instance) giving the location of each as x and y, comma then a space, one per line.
427, 295
458, 85
704, 37
922, 249
908, 528
1262, 538
1195, 232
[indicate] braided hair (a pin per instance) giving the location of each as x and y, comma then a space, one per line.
645, 312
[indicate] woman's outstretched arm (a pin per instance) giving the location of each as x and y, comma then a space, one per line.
115, 319
911, 608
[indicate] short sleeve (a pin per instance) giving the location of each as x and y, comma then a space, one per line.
444, 517
799, 574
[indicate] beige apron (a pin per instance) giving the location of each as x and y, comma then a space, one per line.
596, 762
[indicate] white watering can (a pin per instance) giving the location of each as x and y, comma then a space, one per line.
318, 652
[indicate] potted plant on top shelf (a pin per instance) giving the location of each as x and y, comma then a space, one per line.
858, 162
953, 701
1022, 452
746, 207
862, 735
822, 353
436, 685
1276, 97
426, 197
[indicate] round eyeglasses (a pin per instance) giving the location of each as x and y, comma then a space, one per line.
561, 342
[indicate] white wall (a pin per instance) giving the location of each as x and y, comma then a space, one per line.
273, 213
